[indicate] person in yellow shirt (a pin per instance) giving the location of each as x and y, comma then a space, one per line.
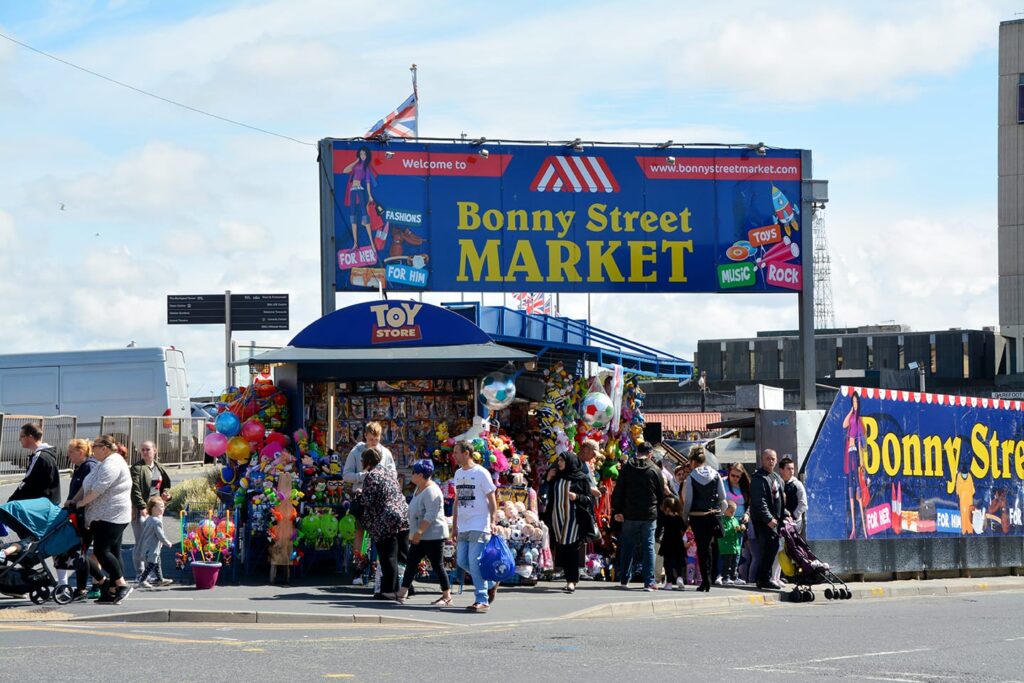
964, 489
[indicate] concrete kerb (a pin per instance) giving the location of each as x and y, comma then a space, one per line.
689, 604
250, 617
692, 605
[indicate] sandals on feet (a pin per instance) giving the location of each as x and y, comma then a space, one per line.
477, 607
442, 602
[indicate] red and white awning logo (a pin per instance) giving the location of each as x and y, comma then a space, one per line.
574, 174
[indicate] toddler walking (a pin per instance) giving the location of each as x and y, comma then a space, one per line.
729, 544
673, 548
151, 540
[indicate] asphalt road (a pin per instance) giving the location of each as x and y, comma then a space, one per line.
976, 638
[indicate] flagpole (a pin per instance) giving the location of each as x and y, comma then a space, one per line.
416, 95
416, 134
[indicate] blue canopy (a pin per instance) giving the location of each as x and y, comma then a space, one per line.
40, 519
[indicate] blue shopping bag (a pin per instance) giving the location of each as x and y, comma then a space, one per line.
497, 563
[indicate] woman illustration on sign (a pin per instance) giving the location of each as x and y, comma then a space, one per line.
856, 482
359, 195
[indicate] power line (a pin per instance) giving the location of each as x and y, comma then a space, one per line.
153, 95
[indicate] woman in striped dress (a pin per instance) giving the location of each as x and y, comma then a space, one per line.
571, 507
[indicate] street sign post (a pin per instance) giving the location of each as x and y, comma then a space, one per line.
241, 312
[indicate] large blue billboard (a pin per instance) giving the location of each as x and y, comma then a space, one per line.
553, 218
895, 464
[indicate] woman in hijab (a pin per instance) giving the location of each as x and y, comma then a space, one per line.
572, 514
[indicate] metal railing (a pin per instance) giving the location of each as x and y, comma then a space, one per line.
57, 431
179, 440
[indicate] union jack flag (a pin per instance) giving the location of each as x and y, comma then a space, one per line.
534, 303
401, 123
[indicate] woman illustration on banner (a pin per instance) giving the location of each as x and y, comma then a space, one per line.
856, 481
359, 195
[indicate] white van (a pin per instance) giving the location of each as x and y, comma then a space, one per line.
139, 381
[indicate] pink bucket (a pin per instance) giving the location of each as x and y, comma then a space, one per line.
205, 574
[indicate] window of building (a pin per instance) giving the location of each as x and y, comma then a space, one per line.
1020, 98
967, 357
871, 354
724, 356
933, 358
779, 355
899, 352
753, 360
839, 353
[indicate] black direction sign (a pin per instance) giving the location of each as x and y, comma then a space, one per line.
259, 312
248, 311
195, 309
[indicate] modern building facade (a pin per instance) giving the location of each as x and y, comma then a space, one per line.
950, 361
1011, 192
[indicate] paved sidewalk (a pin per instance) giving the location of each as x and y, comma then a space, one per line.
352, 604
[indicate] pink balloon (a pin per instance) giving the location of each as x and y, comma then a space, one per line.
253, 430
215, 444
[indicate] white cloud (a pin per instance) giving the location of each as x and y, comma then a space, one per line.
829, 52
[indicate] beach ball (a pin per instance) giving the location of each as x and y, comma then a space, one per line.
596, 410
497, 390
227, 423
238, 449
214, 444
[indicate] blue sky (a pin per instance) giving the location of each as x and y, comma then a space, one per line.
896, 100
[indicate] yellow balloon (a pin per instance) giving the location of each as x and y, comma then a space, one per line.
238, 449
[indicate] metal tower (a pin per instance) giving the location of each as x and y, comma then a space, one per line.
824, 315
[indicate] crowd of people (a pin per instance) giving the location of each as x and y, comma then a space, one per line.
727, 522
105, 495
691, 525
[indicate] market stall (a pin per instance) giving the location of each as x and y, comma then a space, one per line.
429, 376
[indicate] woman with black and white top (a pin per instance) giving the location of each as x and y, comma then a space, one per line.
429, 529
106, 497
704, 500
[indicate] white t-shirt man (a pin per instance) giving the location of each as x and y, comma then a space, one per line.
471, 489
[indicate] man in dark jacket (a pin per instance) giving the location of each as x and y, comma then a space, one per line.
42, 478
638, 493
766, 512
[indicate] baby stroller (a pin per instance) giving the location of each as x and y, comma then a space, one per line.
44, 530
799, 564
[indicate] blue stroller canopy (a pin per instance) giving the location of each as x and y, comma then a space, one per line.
40, 519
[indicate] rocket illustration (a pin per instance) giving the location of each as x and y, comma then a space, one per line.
785, 213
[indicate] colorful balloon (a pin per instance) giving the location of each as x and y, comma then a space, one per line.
214, 444
228, 424
497, 390
238, 449
252, 430
596, 410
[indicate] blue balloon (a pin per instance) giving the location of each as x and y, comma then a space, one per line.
228, 424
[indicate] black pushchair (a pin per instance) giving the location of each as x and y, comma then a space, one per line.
44, 530
805, 570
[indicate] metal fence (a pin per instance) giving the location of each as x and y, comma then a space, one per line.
57, 431
179, 440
